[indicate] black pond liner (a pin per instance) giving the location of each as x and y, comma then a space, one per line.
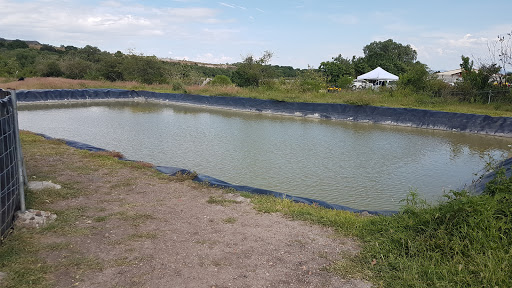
214, 182
419, 118
478, 186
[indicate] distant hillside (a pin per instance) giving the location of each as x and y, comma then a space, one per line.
29, 42
37, 45
224, 66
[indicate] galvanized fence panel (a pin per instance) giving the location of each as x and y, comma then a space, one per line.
11, 180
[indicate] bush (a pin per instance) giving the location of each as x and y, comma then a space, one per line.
311, 80
221, 80
50, 69
344, 82
178, 87
76, 68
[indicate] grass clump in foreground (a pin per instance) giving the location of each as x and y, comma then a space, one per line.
465, 241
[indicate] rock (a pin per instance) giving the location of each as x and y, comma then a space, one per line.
365, 214
33, 218
39, 185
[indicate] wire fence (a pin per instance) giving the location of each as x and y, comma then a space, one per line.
491, 96
11, 168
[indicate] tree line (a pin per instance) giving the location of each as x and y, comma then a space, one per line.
18, 59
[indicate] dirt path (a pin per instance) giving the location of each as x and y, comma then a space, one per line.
121, 225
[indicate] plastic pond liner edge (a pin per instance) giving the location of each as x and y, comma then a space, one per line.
410, 117
217, 183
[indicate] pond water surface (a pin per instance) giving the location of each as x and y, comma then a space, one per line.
360, 165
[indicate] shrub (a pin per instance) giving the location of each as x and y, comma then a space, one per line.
221, 80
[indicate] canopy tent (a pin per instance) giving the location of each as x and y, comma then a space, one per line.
378, 74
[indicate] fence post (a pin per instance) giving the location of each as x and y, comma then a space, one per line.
21, 168
490, 94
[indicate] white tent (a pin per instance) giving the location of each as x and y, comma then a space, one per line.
378, 74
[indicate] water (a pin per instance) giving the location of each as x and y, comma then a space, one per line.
361, 165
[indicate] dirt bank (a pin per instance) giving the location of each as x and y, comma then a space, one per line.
123, 225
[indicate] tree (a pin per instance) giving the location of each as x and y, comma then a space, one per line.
89, 53
70, 48
336, 69
49, 48
359, 65
389, 55
252, 71
16, 44
110, 68
500, 52
75, 68
419, 79
310, 80
475, 81
144, 69
50, 68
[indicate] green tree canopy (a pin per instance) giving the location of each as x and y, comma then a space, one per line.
477, 79
252, 71
389, 55
336, 69
16, 44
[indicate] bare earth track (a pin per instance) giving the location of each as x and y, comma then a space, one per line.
124, 225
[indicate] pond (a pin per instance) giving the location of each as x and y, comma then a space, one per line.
360, 165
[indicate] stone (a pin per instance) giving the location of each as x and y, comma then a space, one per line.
365, 214
40, 185
33, 218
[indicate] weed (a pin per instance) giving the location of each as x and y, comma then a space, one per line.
229, 220
100, 218
114, 154
145, 164
221, 201
180, 177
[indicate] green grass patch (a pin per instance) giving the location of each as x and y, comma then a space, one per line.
465, 241
221, 201
384, 97
19, 260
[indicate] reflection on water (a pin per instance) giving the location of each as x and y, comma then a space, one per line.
362, 165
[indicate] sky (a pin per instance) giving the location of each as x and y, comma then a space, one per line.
300, 33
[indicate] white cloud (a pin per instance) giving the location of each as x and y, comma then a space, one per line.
467, 40
227, 5
72, 22
210, 58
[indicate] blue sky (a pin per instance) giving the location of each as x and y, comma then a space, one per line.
299, 33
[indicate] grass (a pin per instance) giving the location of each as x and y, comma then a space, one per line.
221, 201
286, 92
465, 241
